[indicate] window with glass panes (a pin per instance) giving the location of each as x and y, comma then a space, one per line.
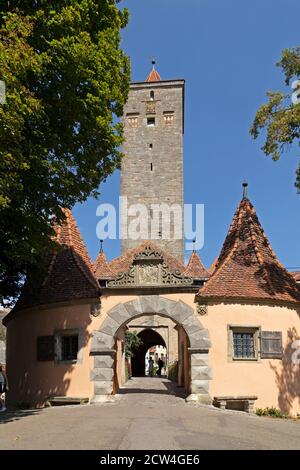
69, 347
243, 345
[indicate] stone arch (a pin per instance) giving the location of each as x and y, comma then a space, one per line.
150, 337
103, 343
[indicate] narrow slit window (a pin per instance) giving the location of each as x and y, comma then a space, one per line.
151, 166
151, 95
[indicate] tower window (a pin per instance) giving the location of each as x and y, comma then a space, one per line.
168, 118
150, 146
151, 166
132, 119
151, 121
151, 95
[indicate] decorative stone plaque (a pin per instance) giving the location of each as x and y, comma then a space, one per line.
201, 309
150, 107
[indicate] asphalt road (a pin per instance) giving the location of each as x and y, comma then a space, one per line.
148, 414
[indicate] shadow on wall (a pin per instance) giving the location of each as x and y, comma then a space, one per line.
32, 382
288, 374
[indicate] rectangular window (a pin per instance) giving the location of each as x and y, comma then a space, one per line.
150, 121
69, 345
69, 348
132, 119
168, 117
243, 343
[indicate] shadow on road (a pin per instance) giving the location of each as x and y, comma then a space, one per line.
167, 388
10, 416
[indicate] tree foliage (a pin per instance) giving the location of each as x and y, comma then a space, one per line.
132, 342
67, 80
279, 116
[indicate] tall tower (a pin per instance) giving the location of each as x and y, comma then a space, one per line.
152, 167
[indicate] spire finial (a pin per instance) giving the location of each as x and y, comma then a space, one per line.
153, 62
101, 246
194, 241
245, 190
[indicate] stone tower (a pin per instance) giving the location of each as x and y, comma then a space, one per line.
152, 167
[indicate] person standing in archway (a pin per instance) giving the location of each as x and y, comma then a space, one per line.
160, 364
151, 366
3, 387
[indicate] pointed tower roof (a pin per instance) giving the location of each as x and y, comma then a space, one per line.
153, 75
195, 268
247, 267
69, 275
213, 266
101, 267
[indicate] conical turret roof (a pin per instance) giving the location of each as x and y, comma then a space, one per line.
247, 266
153, 75
69, 275
195, 268
101, 267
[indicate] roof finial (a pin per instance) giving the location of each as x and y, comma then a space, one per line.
101, 246
194, 241
245, 190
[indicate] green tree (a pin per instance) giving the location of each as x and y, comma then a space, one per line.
67, 80
132, 342
279, 116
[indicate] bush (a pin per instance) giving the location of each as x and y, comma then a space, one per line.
173, 371
127, 370
270, 411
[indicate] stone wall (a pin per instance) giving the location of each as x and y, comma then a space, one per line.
152, 168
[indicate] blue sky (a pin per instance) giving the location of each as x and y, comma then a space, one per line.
226, 50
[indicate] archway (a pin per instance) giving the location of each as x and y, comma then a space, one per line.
103, 343
149, 338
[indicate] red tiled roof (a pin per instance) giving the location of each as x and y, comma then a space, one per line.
195, 268
69, 275
101, 268
123, 262
247, 266
296, 275
213, 266
153, 76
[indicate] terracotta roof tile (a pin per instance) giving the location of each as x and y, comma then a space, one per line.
213, 266
123, 262
101, 267
247, 266
153, 76
69, 273
195, 268
296, 275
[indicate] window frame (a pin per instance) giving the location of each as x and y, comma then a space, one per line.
252, 329
152, 119
58, 335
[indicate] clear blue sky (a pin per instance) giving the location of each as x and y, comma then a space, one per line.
226, 50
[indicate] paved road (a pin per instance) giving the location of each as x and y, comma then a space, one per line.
148, 414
